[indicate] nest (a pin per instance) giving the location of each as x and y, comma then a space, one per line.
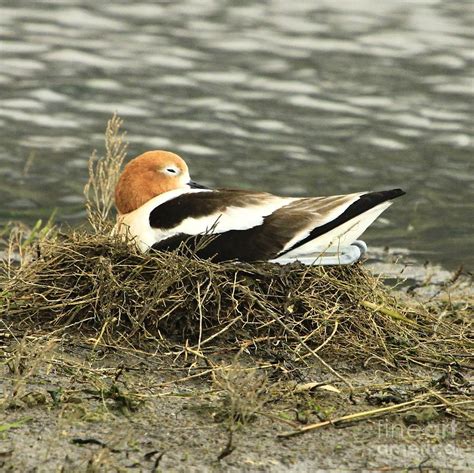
103, 286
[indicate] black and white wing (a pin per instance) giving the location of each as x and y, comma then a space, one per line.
255, 226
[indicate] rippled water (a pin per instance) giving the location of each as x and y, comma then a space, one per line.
302, 98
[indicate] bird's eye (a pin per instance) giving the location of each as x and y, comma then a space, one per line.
171, 170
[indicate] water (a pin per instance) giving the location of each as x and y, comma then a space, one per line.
297, 98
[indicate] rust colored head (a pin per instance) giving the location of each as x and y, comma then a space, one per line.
147, 176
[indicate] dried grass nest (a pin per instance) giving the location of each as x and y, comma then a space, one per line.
87, 283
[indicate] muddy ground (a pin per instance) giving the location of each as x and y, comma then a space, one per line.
70, 406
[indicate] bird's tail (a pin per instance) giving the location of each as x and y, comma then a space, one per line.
345, 228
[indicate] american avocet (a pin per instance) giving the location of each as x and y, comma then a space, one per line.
160, 207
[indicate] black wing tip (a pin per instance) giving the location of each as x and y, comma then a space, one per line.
382, 196
396, 193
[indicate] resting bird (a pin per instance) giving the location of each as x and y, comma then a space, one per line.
160, 207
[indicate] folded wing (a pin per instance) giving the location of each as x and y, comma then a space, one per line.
252, 226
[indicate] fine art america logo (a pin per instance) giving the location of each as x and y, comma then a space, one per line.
419, 440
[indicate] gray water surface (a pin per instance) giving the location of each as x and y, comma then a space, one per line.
296, 98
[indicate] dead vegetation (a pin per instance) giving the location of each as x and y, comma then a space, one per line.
184, 305
280, 342
104, 172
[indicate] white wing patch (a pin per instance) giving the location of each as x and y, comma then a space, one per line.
232, 218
